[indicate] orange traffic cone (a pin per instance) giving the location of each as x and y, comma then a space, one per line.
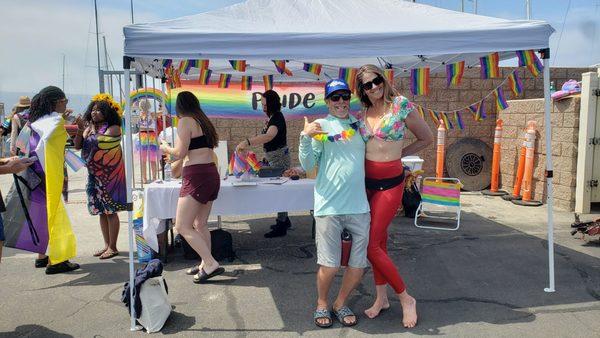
441, 143
493, 191
516, 194
528, 171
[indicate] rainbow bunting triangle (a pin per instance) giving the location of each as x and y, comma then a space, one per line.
489, 66
501, 103
204, 77
434, 116
239, 65
280, 65
459, 120
166, 63
268, 82
348, 75
515, 84
478, 110
224, 80
202, 64
246, 82
529, 58
419, 81
183, 65
421, 111
314, 68
389, 74
446, 121
454, 73
190, 64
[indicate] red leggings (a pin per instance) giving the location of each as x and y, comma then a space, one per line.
384, 205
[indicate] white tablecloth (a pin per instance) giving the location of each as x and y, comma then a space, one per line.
160, 201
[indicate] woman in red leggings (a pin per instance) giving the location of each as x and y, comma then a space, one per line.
384, 120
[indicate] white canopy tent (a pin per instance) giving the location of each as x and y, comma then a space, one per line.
391, 33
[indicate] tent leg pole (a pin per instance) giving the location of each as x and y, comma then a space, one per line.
129, 182
549, 187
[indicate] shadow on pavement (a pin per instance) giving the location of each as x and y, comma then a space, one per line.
33, 331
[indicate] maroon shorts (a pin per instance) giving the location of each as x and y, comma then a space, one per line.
201, 181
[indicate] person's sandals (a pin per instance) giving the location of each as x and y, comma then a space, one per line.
99, 252
202, 276
109, 254
65, 266
41, 262
193, 270
344, 312
322, 314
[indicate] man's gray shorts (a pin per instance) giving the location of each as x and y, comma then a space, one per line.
329, 239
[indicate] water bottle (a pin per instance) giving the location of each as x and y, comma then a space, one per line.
346, 247
167, 177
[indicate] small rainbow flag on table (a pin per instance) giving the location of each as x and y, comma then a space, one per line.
515, 84
204, 78
529, 59
314, 68
202, 64
489, 66
459, 120
501, 103
454, 73
246, 82
349, 75
419, 81
280, 65
239, 65
268, 82
478, 110
224, 80
389, 74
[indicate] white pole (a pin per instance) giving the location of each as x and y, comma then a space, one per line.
528, 5
129, 181
549, 188
475, 6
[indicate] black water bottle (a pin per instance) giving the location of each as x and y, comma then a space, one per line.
346, 247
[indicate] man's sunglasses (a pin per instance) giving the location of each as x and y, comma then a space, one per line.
375, 82
337, 97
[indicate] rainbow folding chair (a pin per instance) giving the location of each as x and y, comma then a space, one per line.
440, 202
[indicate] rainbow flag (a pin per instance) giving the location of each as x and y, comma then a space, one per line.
478, 110
421, 111
501, 103
434, 116
454, 73
515, 84
268, 82
202, 64
73, 160
389, 74
489, 66
239, 65
446, 121
246, 82
224, 80
183, 65
280, 65
166, 63
314, 68
419, 81
190, 64
529, 58
240, 164
204, 78
349, 75
459, 120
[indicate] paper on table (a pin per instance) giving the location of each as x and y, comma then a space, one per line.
275, 180
243, 183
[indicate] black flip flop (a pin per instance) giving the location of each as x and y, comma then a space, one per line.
192, 271
322, 314
344, 312
202, 276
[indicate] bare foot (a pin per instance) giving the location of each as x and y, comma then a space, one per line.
409, 311
376, 308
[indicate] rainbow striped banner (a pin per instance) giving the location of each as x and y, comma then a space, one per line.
298, 99
489, 66
501, 103
459, 120
421, 111
349, 75
454, 73
167, 63
239, 65
419, 81
314, 68
246, 82
268, 82
446, 121
204, 77
224, 80
529, 58
389, 74
280, 65
515, 84
434, 116
203, 64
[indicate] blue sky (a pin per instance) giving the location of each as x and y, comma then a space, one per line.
35, 34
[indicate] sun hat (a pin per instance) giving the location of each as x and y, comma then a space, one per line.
335, 85
568, 88
24, 102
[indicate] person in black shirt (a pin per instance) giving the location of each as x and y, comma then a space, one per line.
274, 142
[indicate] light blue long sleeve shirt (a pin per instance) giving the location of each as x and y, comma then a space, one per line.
340, 185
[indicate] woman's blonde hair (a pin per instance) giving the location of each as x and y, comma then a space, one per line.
389, 92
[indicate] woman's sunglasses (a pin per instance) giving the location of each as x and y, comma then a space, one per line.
375, 82
337, 97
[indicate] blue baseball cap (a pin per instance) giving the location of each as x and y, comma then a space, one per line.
335, 85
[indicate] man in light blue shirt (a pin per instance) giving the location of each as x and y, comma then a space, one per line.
335, 146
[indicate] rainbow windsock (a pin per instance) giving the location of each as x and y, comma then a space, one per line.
202, 64
529, 59
489, 66
204, 77
183, 65
454, 73
501, 103
239, 65
434, 117
459, 120
419, 81
314, 68
515, 84
166, 63
280, 65
224, 80
268, 82
348, 75
389, 74
421, 111
246, 82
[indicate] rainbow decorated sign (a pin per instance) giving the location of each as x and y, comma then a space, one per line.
298, 99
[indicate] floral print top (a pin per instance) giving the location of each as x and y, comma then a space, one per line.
391, 126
